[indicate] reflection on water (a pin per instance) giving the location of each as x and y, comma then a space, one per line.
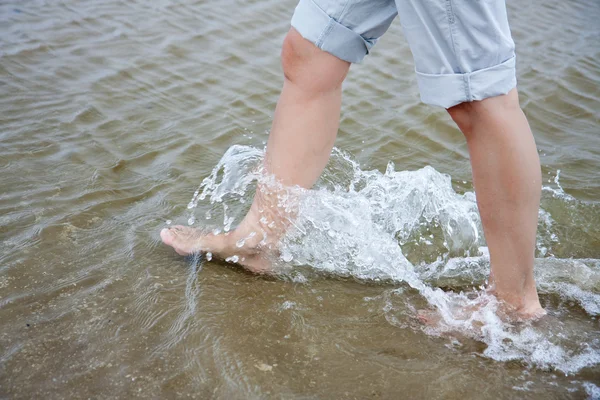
111, 113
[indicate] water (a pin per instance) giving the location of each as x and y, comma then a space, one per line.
112, 114
353, 228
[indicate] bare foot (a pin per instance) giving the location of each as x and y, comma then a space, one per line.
186, 240
466, 313
531, 313
524, 306
231, 247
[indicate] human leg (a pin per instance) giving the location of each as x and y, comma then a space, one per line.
465, 62
507, 180
303, 132
316, 56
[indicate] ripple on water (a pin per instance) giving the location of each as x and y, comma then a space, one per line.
109, 113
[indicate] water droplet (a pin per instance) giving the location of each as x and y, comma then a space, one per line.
191, 221
168, 222
232, 259
208, 256
240, 243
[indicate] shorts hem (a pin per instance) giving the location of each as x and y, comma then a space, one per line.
448, 90
328, 34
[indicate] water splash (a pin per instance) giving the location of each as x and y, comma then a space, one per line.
412, 227
181, 326
191, 287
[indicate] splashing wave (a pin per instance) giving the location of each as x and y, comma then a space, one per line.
412, 227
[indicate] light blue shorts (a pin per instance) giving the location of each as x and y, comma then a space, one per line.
463, 50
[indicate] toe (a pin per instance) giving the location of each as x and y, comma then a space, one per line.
167, 236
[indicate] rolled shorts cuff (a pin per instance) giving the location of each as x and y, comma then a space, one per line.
447, 90
328, 34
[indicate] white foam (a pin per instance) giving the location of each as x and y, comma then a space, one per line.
592, 390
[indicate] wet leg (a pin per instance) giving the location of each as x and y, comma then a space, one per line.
507, 180
304, 129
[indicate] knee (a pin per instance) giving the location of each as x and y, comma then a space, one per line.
494, 109
463, 115
309, 67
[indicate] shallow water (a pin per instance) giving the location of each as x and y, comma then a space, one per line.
112, 114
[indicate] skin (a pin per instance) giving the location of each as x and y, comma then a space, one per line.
506, 174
